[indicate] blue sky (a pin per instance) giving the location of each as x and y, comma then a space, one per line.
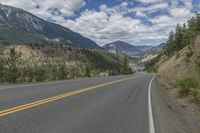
139, 22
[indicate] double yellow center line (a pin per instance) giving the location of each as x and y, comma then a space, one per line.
54, 98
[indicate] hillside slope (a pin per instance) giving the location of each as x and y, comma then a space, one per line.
179, 75
19, 26
63, 53
184, 63
34, 62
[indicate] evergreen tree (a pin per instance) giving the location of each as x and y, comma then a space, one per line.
13, 65
88, 70
184, 27
61, 70
125, 66
178, 37
198, 23
1, 66
183, 35
40, 72
171, 36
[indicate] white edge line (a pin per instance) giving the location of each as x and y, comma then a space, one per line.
151, 123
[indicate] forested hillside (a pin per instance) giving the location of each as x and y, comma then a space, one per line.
178, 65
36, 62
183, 36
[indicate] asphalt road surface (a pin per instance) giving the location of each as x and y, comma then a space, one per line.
118, 104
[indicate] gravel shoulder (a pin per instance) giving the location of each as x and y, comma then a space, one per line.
171, 115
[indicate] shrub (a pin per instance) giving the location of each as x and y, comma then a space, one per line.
195, 93
198, 67
190, 52
186, 84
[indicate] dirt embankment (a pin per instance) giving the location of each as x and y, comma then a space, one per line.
170, 70
174, 68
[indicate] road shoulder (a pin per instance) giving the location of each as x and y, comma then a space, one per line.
168, 116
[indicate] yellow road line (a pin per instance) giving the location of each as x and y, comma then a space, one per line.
54, 98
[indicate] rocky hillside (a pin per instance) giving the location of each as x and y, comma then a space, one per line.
19, 26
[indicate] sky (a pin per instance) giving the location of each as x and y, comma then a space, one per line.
138, 22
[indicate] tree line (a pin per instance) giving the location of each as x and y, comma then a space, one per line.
183, 35
13, 69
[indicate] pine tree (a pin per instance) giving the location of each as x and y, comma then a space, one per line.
184, 28
171, 36
198, 23
61, 70
13, 65
88, 70
178, 37
1, 66
125, 67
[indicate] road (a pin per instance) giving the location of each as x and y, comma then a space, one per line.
118, 104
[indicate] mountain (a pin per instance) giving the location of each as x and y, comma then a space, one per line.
19, 26
154, 49
131, 50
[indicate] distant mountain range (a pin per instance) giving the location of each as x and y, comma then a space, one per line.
19, 26
131, 50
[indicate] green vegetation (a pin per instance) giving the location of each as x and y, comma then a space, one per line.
55, 65
12, 35
187, 84
1, 65
151, 64
190, 85
196, 90
12, 61
195, 93
183, 36
125, 67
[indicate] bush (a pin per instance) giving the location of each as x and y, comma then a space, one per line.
190, 52
198, 67
195, 93
186, 84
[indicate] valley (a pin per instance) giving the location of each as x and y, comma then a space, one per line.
87, 66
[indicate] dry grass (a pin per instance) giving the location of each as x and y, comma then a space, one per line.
173, 69
149, 57
34, 54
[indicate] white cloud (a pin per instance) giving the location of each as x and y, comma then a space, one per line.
114, 27
151, 8
66, 7
103, 8
180, 12
109, 23
150, 1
